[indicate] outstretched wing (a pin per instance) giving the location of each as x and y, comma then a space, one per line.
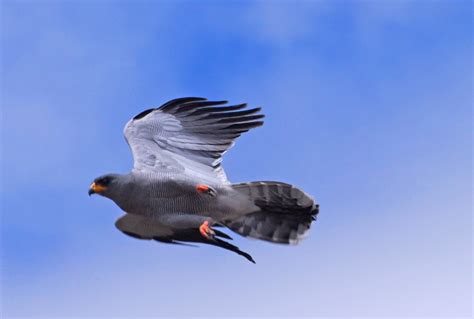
188, 135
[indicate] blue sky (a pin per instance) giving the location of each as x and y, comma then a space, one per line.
368, 108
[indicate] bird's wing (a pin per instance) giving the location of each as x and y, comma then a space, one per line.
140, 227
146, 228
188, 135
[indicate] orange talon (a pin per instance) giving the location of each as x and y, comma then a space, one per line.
206, 230
204, 189
201, 188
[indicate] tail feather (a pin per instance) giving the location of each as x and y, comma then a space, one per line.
285, 214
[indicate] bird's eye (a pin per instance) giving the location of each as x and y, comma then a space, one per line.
104, 181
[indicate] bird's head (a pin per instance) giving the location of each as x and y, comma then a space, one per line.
104, 185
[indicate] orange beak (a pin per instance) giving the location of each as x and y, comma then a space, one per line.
96, 189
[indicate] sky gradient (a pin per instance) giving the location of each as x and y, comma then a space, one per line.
368, 108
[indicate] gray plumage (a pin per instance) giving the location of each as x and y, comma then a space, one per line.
179, 146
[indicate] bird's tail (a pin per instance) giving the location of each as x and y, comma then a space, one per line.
285, 214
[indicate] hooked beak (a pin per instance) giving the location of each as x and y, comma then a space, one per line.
94, 189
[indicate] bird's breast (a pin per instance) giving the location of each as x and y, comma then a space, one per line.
150, 198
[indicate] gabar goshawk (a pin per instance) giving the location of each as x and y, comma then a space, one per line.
178, 192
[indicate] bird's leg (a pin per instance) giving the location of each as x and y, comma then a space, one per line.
205, 189
206, 230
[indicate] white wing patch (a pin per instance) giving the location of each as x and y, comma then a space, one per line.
188, 136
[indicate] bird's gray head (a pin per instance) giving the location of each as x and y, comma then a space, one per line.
104, 185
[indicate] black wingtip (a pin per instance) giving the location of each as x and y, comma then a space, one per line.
143, 114
222, 234
223, 244
175, 102
249, 258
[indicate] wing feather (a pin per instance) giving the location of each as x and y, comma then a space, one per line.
188, 135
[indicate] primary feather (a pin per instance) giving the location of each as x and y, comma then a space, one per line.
189, 136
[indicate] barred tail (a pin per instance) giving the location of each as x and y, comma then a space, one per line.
285, 214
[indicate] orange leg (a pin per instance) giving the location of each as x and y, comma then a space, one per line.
201, 188
204, 189
206, 230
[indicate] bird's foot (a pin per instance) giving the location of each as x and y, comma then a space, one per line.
204, 189
206, 230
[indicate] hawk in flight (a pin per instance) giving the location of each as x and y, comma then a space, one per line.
178, 192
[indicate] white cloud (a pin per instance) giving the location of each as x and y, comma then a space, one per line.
282, 23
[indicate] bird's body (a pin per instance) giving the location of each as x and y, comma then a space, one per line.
177, 189
153, 195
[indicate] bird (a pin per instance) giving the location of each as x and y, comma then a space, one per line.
178, 191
